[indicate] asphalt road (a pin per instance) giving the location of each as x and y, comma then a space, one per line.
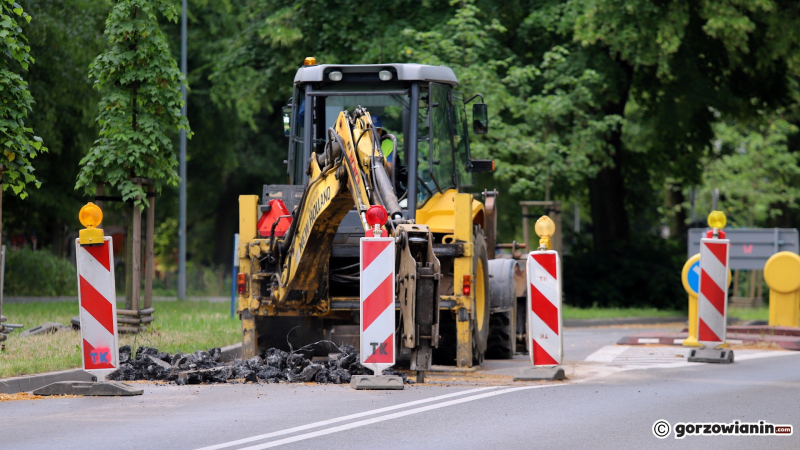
610, 403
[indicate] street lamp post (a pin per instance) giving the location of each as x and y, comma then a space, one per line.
182, 169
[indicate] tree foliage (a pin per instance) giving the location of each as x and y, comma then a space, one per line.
757, 174
142, 104
623, 108
19, 144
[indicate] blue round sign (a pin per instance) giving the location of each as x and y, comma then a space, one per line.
693, 277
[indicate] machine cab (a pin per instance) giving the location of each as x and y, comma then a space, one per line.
417, 104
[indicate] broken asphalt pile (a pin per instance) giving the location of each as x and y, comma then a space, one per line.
206, 367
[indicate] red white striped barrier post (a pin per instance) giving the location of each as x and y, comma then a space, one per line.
98, 313
712, 304
377, 305
96, 295
712, 300
98, 307
544, 308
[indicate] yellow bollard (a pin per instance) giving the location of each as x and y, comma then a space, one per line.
691, 281
782, 274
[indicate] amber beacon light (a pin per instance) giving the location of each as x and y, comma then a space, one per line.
90, 217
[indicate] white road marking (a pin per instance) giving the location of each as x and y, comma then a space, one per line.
396, 415
343, 418
628, 357
607, 353
649, 340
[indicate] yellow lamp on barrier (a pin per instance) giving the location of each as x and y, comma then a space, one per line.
782, 274
90, 216
717, 219
545, 227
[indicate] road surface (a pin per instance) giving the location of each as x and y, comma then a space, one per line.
612, 399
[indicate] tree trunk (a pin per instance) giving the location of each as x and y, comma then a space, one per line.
610, 224
129, 259
2, 170
1, 205
677, 221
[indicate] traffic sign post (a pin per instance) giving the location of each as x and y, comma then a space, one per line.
544, 308
377, 346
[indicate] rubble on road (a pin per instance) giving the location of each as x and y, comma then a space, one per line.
273, 366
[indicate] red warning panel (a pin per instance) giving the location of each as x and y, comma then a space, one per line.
98, 307
377, 303
712, 299
544, 308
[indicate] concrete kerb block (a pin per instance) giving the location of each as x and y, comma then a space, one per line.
541, 374
711, 355
376, 382
88, 388
231, 352
47, 327
31, 382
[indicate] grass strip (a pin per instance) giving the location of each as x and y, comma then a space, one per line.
749, 313
178, 327
571, 312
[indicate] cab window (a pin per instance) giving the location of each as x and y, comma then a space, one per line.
461, 139
442, 157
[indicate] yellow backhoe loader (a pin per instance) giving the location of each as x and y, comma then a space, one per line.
394, 135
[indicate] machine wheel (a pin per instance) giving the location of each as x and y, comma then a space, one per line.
502, 322
483, 303
502, 341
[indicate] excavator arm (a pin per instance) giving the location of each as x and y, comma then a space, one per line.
350, 172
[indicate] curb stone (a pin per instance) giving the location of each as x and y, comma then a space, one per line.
29, 383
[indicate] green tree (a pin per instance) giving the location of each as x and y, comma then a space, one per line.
20, 145
757, 174
141, 105
65, 37
684, 61
140, 110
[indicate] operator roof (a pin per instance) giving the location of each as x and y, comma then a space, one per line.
405, 72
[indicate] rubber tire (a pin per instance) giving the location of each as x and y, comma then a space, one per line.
502, 342
480, 331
